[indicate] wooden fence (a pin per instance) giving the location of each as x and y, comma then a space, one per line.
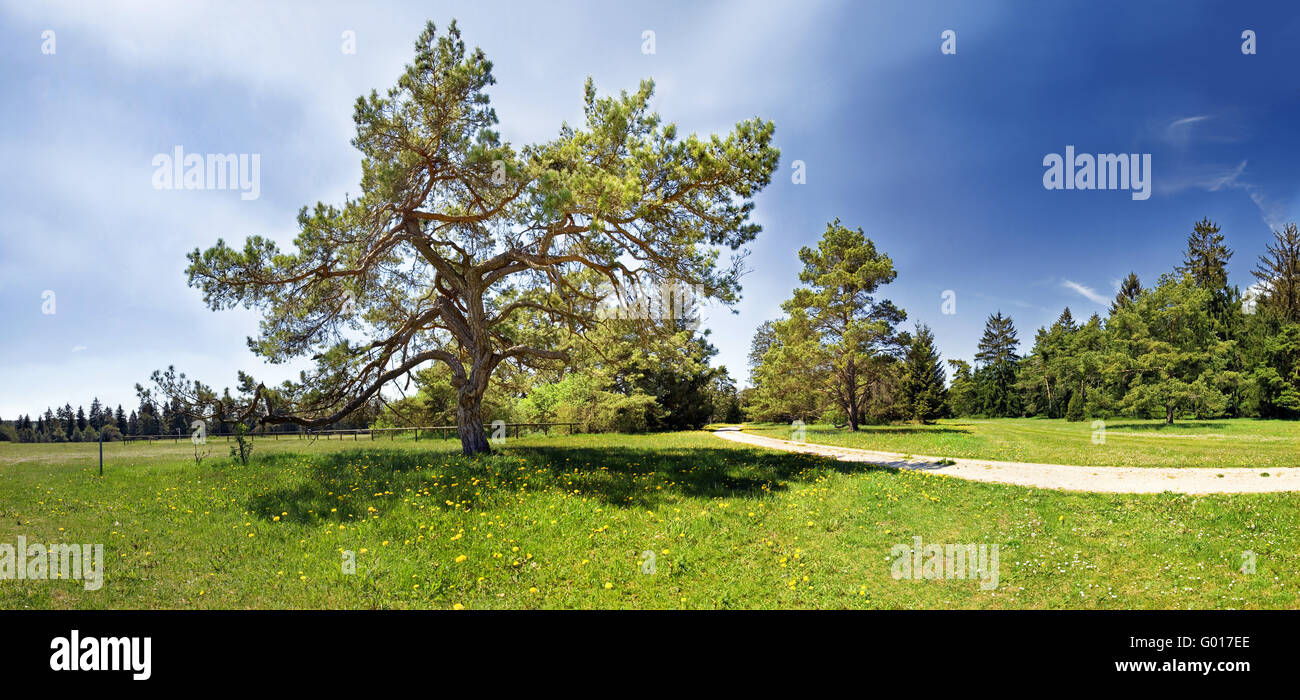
444, 432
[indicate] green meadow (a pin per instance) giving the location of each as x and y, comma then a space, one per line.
570, 522
1128, 442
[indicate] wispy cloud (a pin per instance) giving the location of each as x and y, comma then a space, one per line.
1230, 125
79, 348
1211, 178
1084, 291
1188, 120
1180, 130
1218, 178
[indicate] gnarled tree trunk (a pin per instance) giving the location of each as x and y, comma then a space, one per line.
469, 422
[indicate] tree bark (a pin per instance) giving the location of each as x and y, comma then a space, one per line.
1169, 415
853, 396
469, 422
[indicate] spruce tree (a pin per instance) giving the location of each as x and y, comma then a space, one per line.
1206, 257
68, 418
1279, 274
1129, 290
999, 342
923, 394
997, 358
1066, 321
1206, 262
96, 416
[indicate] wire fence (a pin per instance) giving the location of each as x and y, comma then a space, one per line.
443, 431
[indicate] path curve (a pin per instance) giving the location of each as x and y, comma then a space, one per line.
1053, 476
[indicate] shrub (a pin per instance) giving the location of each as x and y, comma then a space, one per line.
633, 413
243, 445
583, 399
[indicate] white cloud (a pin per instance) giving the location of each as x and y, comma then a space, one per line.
1084, 291
1180, 130
1211, 178
1219, 178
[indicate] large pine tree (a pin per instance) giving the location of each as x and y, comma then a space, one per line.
855, 329
465, 251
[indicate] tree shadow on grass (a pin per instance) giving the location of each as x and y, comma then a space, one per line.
1176, 425
342, 486
895, 430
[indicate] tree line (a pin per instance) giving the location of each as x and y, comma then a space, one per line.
65, 425
150, 418
622, 380
1188, 345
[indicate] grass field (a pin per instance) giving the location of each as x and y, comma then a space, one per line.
1239, 442
563, 522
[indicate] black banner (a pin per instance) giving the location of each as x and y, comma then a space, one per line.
182, 649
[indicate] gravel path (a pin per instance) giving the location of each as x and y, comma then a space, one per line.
1053, 476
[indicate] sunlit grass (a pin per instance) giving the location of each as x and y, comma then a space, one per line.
566, 522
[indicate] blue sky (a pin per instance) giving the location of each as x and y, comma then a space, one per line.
937, 157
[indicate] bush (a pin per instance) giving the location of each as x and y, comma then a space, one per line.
633, 413
583, 400
834, 416
111, 433
242, 448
